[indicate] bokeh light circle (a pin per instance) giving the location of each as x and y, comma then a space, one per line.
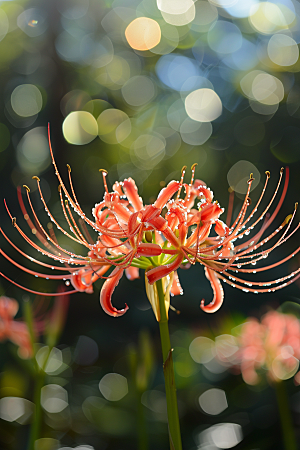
26, 100
283, 50
267, 89
268, 17
282, 369
113, 387
213, 401
223, 3
180, 20
80, 127
224, 37
174, 70
114, 126
203, 105
195, 133
205, 15
143, 33
33, 151
176, 114
202, 350
239, 174
148, 147
262, 87
138, 91
174, 6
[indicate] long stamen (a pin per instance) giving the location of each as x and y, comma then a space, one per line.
230, 208
33, 272
257, 291
259, 200
78, 233
46, 294
193, 173
71, 186
60, 258
273, 197
181, 182
33, 259
244, 205
104, 174
45, 233
244, 254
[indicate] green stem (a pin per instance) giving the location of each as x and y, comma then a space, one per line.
288, 432
39, 383
142, 431
173, 418
36, 425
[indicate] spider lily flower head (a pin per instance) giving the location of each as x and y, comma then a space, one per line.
14, 330
271, 346
173, 232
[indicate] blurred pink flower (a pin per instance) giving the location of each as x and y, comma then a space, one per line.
14, 330
272, 345
160, 238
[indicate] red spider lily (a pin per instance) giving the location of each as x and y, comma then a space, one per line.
132, 236
271, 346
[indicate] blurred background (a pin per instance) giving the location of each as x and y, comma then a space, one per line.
141, 88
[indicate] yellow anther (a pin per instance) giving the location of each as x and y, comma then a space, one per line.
26, 187
14, 221
103, 170
296, 206
251, 178
69, 167
183, 169
59, 187
36, 178
282, 170
194, 165
287, 219
267, 173
66, 202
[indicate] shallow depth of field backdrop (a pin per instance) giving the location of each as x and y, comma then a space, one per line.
141, 88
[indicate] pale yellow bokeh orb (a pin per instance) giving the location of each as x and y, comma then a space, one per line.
203, 105
114, 126
262, 87
180, 20
267, 17
143, 33
283, 50
26, 100
80, 127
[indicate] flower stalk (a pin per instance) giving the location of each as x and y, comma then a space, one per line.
172, 407
288, 433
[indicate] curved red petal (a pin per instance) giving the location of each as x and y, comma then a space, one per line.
159, 272
176, 288
82, 280
107, 291
166, 194
131, 192
217, 301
